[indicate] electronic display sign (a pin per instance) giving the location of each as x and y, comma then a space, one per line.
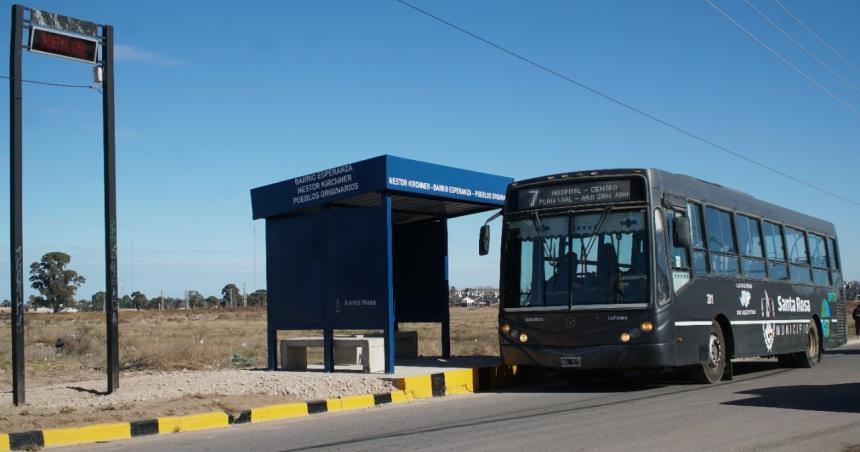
580, 193
63, 45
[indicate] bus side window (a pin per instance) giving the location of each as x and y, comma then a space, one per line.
775, 251
818, 259
798, 258
677, 255
750, 246
700, 256
721, 242
833, 262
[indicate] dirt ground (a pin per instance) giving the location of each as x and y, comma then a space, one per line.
160, 350
144, 395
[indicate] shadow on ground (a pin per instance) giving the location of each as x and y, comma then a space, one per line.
91, 391
841, 398
847, 351
541, 381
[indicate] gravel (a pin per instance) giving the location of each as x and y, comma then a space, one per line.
149, 387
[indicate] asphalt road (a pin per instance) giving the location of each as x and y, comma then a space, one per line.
763, 408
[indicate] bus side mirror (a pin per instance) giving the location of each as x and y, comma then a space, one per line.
681, 237
484, 240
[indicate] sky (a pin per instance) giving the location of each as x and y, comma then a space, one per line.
215, 98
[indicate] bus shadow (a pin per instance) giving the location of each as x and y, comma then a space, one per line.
839, 398
751, 367
849, 351
614, 382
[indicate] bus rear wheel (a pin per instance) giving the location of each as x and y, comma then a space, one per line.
810, 356
711, 371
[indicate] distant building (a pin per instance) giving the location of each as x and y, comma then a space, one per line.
468, 302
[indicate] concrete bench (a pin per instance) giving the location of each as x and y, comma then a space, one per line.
405, 344
369, 352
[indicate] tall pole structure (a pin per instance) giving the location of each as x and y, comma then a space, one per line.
110, 211
16, 249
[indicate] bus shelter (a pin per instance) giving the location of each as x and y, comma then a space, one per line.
364, 246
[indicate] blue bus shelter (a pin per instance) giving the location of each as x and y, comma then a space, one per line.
364, 246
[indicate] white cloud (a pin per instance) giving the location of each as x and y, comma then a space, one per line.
129, 53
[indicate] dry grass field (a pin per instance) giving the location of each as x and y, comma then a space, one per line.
193, 340
158, 342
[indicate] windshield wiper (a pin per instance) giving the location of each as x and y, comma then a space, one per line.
584, 258
600, 223
539, 226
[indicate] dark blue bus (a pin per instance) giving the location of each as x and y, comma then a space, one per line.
643, 268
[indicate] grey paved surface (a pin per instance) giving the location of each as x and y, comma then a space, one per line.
764, 408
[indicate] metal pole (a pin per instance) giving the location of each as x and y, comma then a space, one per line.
388, 331
446, 319
15, 224
111, 297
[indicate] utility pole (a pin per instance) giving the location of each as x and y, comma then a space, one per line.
131, 270
254, 239
16, 230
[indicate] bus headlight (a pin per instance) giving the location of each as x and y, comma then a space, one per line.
524, 338
625, 337
647, 327
506, 328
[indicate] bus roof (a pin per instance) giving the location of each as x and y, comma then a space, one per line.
700, 190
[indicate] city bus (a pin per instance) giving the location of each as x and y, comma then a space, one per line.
644, 269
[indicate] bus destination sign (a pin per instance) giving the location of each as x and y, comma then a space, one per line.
578, 193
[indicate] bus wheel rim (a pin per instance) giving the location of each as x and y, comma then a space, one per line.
812, 340
715, 351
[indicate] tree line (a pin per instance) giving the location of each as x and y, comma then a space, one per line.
57, 285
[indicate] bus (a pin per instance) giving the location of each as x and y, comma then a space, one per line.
644, 269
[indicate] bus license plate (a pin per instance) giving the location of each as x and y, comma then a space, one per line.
571, 361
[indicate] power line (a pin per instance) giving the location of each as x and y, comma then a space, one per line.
61, 85
782, 58
802, 47
819, 38
628, 106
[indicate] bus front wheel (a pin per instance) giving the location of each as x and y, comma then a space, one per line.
711, 371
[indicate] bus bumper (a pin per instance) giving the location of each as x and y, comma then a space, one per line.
593, 357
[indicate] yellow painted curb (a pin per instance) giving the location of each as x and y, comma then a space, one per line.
401, 397
418, 386
460, 381
357, 402
4, 442
193, 422
283, 411
89, 434
350, 403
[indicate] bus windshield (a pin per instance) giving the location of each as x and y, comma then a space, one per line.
576, 259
